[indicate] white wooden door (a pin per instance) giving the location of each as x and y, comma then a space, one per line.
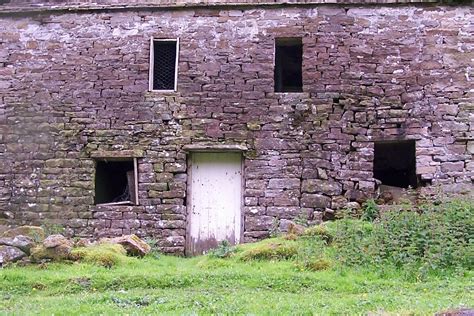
214, 200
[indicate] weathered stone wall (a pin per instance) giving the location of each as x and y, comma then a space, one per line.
75, 83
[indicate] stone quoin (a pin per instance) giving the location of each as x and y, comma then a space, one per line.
94, 140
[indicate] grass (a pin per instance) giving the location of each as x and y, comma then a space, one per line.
203, 285
403, 263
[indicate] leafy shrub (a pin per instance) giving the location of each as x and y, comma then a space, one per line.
430, 237
155, 251
223, 250
311, 249
106, 255
320, 231
370, 211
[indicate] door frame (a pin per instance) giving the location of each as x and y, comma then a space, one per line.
188, 241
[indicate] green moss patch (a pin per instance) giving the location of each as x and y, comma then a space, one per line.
271, 249
106, 255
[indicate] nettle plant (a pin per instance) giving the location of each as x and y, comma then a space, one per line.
429, 237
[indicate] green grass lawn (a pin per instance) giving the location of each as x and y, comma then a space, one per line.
202, 285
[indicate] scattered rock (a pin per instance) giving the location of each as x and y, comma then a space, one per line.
57, 240
34, 232
328, 214
84, 242
353, 206
132, 244
296, 229
284, 224
24, 243
40, 253
10, 254
54, 247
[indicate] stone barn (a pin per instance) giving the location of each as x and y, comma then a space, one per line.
191, 122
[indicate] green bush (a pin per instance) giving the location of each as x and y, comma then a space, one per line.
311, 250
155, 251
370, 211
431, 237
321, 231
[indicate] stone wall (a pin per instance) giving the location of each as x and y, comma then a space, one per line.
73, 84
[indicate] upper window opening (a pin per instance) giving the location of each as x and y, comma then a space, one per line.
288, 65
116, 182
164, 64
395, 163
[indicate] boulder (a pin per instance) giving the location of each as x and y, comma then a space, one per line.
24, 243
296, 229
54, 247
132, 244
59, 253
84, 242
353, 206
34, 232
10, 254
284, 224
57, 240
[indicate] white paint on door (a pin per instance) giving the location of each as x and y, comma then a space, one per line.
214, 200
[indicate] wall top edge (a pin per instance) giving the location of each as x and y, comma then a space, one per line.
32, 6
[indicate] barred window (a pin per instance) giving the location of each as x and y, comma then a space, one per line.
163, 64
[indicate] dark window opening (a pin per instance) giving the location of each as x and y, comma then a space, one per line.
164, 65
288, 65
115, 182
395, 163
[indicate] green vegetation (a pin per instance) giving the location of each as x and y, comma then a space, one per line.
395, 262
106, 255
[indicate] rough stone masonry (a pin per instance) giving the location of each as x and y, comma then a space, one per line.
74, 85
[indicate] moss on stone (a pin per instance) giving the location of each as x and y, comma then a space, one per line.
106, 255
35, 232
272, 249
59, 253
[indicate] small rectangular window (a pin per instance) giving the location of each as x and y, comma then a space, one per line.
395, 163
288, 65
116, 181
164, 64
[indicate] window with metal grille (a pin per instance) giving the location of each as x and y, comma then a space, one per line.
164, 64
288, 65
